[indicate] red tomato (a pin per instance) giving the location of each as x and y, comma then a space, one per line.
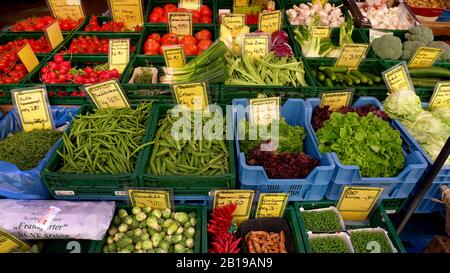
155, 36
190, 49
196, 14
170, 8
164, 18
154, 17
203, 34
182, 10
151, 45
195, 20
169, 39
203, 45
161, 51
188, 40
158, 10
205, 20
205, 11
151, 52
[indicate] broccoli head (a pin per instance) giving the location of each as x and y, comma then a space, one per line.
420, 33
387, 47
445, 53
410, 48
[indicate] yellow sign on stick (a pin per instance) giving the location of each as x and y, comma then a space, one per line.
256, 46
352, 55
270, 21
234, 22
127, 11
54, 34
156, 199
119, 54
356, 203
321, 32
425, 57
192, 95
242, 198
271, 205
190, 4
337, 99
441, 95
107, 94
174, 56
66, 9
28, 58
397, 78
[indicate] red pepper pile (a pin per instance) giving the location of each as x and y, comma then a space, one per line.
90, 45
222, 240
39, 23
110, 26
160, 14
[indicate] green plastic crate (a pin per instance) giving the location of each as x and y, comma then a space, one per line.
183, 185
100, 19
393, 206
289, 215
378, 218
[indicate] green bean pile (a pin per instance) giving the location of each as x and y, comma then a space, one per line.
106, 141
187, 157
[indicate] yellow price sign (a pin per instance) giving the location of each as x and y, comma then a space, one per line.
107, 94
234, 22
256, 46
66, 9
9, 243
119, 54
190, 4
240, 3
321, 32
28, 58
397, 78
259, 3
352, 55
127, 11
33, 108
192, 95
264, 110
424, 57
242, 198
271, 205
174, 56
441, 95
270, 21
336, 100
356, 203
180, 23
156, 199
54, 34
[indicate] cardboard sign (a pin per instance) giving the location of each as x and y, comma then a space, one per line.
33, 108
271, 205
9, 243
397, 78
180, 23
242, 198
424, 57
352, 55
127, 11
28, 58
174, 56
321, 32
256, 46
264, 110
193, 95
441, 95
270, 21
54, 34
356, 203
190, 4
107, 94
234, 22
66, 9
156, 199
241, 3
118, 54
373, 34
337, 99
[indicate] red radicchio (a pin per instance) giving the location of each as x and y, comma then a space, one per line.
280, 44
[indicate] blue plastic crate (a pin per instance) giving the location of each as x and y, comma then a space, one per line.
399, 186
312, 187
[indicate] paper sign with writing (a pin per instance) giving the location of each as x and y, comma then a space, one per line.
192, 95
9, 243
356, 203
337, 99
441, 95
352, 55
118, 54
180, 23
397, 78
156, 199
190, 4
264, 110
234, 22
66, 9
242, 198
54, 34
107, 94
256, 46
28, 58
127, 11
270, 21
271, 205
424, 57
174, 56
33, 108
321, 32
240, 3
373, 34
259, 3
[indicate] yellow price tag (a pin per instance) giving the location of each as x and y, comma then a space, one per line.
260, 3
269, 21
119, 54
356, 203
256, 46
264, 110
9, 243
242, 198
240, 3
192, 95
271, 205
174, 56
180, 23
127, 11
54, 34
107, 94
352, 55
397, 79
156, 199
66, 9
425, 57
234, 22
190, 4
28, 58
321, 32
336, 100
441, 95
33, 108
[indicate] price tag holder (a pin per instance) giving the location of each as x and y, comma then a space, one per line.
425, 57
397, 78
118, 54
190, 4
107, 94
352, 55
441, 95
242, 198
193, 95
234, 22
356, 203
174, 56
264, 110
241, 3
336, 99
373, 34
271, 205
256, 46
270, 21
66, 9
28, 58
154, 198
180, 23
9, 243
321, 32
54, 34
33, 108
129, 12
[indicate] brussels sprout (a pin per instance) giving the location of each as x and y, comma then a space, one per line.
181, 217
167, 223
138, 245
117, 220
145, 236
156, 238
192, 215
157, 213
135, 224
152, 231
122, 243
187, 225
152, 222
166, 213
144, 230
193, 221
112, 230
179, 248
164, 245
147, 210
130, 248
159, 250
168, 238
112, 248
158, 228
122, 213
147, 244
137, 232
163, 234
141, 216
151, 251
142, 224
125, 251
190, 232
176, 238
129, 233
172, 228
160, 221
118, 236
110, 240
128, 220
183, 241
179, 230
135, 238
136, 210
123, 227
190, 243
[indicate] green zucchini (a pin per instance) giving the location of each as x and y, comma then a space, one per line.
358, 74
424, 82
330, 74
328, 82
355, 79
373, 77
432, 71
320, 76
348, 80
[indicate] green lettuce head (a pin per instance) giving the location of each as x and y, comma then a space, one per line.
442, 113
403, 105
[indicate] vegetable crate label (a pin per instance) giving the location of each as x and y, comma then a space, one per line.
9, 243
271, 205
336, 100
397, 78
66, 9
192, 95
270, 21
321, 32
256, 46
242, 198
190, 4
156, 199
441, 95
127, 11
174, 56
54, 34
180, 23
28, 58
118, 54
352, 55
234, 22
107, 94
265, 110
33, 108
241, 3
356, 203
424, 57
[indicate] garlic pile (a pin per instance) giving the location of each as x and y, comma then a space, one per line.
386, 18
329, 15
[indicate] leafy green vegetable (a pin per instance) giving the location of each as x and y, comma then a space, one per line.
321, 220
366, 241
329, 244
442, 113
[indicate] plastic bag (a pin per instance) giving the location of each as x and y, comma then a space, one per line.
48, 219
19, 184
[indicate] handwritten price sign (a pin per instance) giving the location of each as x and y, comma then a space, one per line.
397, 79
256, 46
66, 9
265, 110
357, 202
352, 55
424, 57
441, 95
242, 198
107, 95
180, 23
336, 100
270, 21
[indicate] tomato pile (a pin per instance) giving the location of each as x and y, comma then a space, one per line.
41, 45
192, 45
11, 68
160, 14
61, 71
110, 26
90, 45
39, 23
